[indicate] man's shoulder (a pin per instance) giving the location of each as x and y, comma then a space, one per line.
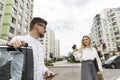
19, 37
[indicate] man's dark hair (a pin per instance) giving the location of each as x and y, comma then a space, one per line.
37, 20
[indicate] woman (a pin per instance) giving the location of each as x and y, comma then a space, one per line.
86, 55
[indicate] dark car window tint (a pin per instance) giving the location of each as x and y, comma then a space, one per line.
117, 59
16, 63
11, 63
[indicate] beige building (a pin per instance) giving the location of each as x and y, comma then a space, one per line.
2, 11
17, 16
106, 29
49, 42
57, 48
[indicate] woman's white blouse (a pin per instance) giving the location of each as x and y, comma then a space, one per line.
88, 54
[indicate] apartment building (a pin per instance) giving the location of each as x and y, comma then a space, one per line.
106, 29
2, 10
57, 48
17, 16
49, 42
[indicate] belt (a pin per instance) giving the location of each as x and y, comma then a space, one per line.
86, 60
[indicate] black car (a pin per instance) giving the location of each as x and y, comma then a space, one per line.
113, 62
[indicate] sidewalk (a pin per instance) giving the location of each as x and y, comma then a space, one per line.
66, 64
118, 79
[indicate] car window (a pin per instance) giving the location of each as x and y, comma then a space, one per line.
112, 58
13, 63
117, 59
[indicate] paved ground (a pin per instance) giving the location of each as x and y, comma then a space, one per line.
71, 71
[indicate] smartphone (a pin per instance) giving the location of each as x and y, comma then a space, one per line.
51, 76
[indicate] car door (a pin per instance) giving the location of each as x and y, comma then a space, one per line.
16, 64
117, 62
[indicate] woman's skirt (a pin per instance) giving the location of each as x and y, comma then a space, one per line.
88, 71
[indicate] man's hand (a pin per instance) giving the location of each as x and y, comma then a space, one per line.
49, 75
16, 44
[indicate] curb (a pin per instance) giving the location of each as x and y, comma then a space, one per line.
63, 66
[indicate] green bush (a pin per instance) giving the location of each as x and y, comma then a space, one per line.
113, 53
49, 63
71, 58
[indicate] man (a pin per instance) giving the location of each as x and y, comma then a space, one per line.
37, 30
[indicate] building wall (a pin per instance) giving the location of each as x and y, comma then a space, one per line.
107, 31
49, 42
2, 10
18, 14
57, 48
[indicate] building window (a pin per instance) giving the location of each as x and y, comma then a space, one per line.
16, 2
27, 5
108, 40
113, 19
1, 6
25, 30
118, 38
20, 17
115, 23
26, 15
115, 29
31, 6
13, 20
18, 33
9, 38
14, 11
116, 33
11, 30
19, 26
0, 17
113, 14
21, 10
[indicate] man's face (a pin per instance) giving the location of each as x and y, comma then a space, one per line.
41, 29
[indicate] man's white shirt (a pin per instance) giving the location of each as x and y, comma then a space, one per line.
38, 55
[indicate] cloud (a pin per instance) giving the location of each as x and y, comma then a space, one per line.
78, 3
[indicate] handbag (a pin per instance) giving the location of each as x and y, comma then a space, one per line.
96, 65
100, 76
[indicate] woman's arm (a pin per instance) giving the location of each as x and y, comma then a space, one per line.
77, 56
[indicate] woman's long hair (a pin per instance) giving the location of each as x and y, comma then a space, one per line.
83, 45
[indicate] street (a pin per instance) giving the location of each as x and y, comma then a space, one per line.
71, 71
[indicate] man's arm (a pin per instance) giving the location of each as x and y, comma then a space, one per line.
47, 72
16, 42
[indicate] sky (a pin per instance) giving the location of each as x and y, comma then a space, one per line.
70, 19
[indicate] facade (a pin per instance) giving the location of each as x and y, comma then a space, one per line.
49, 42
17, 16
57, 48
2, 10
106, 30
114, 21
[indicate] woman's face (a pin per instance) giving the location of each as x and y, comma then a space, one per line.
86, 41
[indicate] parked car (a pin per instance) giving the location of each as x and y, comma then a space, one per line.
113, 62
